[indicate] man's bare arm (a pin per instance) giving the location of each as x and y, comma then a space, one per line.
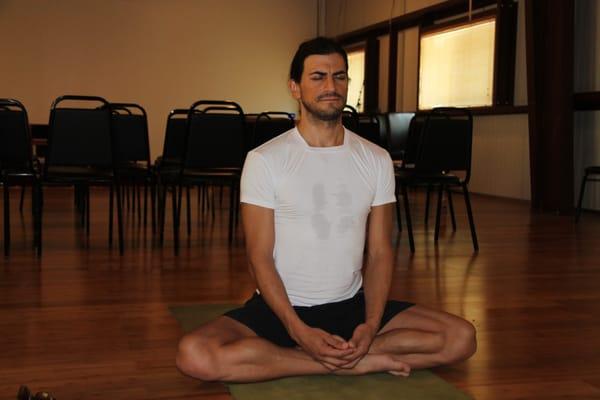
379, 265
259, 231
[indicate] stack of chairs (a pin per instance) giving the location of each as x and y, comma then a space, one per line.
81, 152
214, 152
18, 167
132, 158
438, 154
168, 166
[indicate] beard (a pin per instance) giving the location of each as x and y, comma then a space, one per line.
329, 114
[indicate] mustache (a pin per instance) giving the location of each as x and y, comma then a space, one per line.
329, 94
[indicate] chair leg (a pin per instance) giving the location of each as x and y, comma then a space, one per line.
237, 202
579, 202
212, 201
6, 220
451, 207
201, 199
39, 208
438, 212
133, 189
176, 200
87, 211
162, 204
119, 218
470, 215
34, 215
145, 205
205, 198
153, 206
111, 195
411, 240
21, 201
189, 210
231, 211
139, 203
427, 196
398, 214
80, 205
81, 196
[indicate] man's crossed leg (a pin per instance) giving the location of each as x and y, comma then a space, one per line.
418, 337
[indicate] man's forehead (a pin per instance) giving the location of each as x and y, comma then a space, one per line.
333, 61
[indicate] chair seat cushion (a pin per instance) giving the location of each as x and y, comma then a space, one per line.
18, 177
412, 177
134, 171
79, 174
211, 175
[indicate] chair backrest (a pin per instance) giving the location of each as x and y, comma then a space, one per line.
270, 124
413, 139
350, 118
216, 136
175, 136
398, 128
130, 132
383, 124
446, 141
15, 137
368, 128
80, 135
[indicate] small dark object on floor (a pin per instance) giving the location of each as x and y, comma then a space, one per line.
25, 394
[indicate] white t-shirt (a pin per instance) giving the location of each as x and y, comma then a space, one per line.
321, 197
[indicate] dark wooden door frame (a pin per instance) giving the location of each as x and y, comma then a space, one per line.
549, 48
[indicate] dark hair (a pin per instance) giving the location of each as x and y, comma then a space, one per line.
319, 45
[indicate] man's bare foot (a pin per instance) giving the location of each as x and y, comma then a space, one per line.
377, 363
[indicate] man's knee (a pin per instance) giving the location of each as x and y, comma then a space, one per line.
461, 342
197, 356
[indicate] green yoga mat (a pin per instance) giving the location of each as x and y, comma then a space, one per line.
421, 385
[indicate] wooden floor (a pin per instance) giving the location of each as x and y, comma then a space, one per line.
85, 323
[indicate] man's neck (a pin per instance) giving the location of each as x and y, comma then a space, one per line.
318, 133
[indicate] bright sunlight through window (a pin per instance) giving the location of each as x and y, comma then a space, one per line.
356, 72
456, 66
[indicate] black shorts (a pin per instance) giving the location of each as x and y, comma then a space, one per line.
339, 318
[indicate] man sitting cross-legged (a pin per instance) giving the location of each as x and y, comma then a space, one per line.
311, 199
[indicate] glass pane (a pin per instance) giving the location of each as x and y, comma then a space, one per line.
456, 66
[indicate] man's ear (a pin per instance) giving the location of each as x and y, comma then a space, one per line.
294, 89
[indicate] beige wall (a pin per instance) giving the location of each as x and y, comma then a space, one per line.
161, 54
500, 143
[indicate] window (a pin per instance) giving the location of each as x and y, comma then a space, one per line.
356, 72
456, 66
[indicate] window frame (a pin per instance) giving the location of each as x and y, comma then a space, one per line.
454, 24
505, 48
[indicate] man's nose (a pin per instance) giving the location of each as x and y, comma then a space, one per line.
329, 83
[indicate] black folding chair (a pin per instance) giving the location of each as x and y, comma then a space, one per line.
368, 128
398, 128
80, 152
130, 132
592, 174
442, 160
270, 124
167, 167
214, 154
18, 165
350, 118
